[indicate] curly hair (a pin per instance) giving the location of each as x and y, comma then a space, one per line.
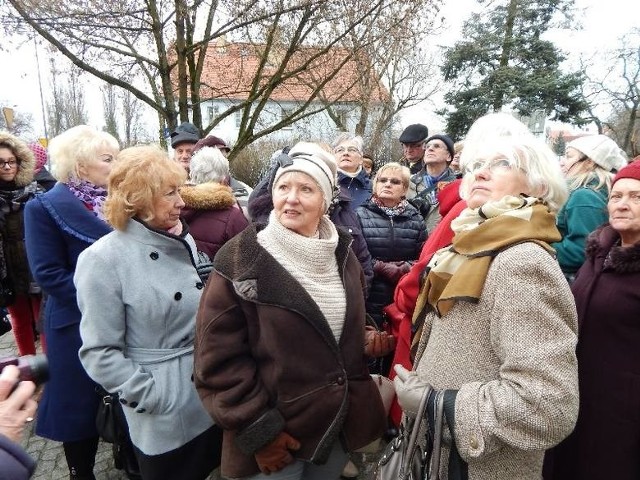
77, 146
140, 174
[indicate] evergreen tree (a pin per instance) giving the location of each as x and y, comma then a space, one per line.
503, 62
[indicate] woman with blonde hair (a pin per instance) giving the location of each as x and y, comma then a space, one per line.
394, 231
138, 317
588, 165
59, 225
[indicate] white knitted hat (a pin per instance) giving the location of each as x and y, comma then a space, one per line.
602, 150
311, 159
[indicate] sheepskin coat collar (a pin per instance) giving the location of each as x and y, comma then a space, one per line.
605, 243
207, 196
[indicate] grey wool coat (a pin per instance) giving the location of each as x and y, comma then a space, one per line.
138, 291
512, 359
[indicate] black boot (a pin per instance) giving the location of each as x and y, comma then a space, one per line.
81, 457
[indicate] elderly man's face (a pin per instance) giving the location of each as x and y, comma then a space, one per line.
182, 154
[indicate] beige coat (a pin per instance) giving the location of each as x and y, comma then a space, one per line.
512, 358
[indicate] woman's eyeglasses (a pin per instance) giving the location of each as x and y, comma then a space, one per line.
392, 181
491, 165
10, 163
340, 150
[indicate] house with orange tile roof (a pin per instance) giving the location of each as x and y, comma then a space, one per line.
307, 79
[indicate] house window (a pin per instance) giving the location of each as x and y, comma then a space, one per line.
343, 118
213, 111
286, 113
238, 116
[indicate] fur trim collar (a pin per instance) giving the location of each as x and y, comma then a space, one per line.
24, 155
604, 243
208, 196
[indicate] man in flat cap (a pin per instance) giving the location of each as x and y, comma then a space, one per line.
413, 139
183, 139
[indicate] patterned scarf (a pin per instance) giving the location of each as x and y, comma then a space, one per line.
458, 272
89, 194
390, 211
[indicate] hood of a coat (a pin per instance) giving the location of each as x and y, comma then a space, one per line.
24, 155
207, 196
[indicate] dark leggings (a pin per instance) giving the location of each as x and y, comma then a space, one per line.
81, 457
195, 460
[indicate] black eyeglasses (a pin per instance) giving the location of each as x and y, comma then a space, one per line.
10, 163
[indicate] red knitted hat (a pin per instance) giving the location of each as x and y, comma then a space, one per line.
630, 171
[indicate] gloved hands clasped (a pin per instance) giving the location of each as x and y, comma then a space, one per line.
391, 271
277, 455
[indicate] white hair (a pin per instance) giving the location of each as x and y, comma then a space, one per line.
531, 156
349, 137
489, 128
208, 165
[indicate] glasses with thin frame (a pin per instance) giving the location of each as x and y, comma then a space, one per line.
340, 150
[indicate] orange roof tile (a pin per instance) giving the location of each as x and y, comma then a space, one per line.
230, 68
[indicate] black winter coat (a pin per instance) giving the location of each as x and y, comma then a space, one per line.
389, 240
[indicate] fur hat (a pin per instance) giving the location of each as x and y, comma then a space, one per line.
211, 141
40, 154
630, 171
601, 150
23, 154
311, 159
184, 133
414, 133
447, 141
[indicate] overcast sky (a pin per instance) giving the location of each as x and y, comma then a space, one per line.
603, 23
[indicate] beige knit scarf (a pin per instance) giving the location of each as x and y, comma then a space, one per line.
312, 262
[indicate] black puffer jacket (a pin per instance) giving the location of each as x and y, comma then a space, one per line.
389, 240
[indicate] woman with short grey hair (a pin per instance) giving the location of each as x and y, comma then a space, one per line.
211, 210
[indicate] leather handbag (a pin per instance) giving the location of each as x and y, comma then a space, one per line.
404, 458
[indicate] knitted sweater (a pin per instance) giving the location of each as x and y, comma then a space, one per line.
312, 262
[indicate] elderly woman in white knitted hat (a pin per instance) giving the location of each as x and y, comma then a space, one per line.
589, 165
280, 353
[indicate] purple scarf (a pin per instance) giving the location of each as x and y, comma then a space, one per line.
89, 194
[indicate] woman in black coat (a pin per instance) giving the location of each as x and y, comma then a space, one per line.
606, 440
394, 231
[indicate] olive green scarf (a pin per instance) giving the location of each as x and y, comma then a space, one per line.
458, 272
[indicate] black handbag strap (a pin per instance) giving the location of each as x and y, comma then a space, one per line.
433, 470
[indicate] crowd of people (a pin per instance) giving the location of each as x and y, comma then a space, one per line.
239, 327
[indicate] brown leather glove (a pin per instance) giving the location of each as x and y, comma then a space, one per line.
276, 455
391, 271
377, 343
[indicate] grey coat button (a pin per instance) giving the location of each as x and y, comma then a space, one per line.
133, 404
123, 401
199, 285
140, 410
178, 296
154, 255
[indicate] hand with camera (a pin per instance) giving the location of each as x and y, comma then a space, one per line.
17, 408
